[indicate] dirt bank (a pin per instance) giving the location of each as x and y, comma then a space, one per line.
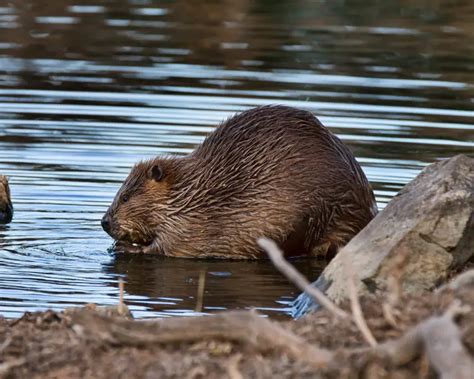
92, 343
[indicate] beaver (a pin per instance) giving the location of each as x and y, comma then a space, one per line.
271, 171
6, 207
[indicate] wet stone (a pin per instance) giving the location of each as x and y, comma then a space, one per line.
425, 232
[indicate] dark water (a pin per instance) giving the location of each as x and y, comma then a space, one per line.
88, 88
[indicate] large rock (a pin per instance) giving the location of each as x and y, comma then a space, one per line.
429, 225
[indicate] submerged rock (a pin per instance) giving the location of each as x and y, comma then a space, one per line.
425, 232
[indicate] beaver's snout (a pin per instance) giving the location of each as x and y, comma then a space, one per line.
6, 214
107, 224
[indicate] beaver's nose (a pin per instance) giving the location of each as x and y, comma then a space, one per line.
6, 214
106, 223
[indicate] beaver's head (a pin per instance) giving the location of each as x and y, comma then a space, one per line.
139, 210
6, 208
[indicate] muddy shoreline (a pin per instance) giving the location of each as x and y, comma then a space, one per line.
94, 342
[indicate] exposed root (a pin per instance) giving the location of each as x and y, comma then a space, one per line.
357, 314
246, 328
299, 280
394, 273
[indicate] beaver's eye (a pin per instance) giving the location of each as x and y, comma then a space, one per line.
125, 198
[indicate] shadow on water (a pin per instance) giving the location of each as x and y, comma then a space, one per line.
87, 90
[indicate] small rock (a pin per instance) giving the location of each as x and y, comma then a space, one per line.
429, 223
6, 207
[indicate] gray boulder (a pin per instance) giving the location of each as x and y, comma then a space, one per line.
429, 225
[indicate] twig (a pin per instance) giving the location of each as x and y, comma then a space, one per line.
122, 309
233, 367
121, 290
357, 313
5, 344
296, 278
387, 311
394, 271
200, 291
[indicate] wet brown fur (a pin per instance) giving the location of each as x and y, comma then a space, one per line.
6, 207
271, 171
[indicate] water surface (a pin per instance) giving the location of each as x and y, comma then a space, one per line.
89, 88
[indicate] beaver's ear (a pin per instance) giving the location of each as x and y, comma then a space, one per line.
156, 173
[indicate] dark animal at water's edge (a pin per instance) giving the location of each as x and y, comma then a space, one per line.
272, 171
6, 207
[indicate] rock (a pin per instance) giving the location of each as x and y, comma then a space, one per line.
6, 207
427, 230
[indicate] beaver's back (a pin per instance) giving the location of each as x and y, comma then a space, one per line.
277, 171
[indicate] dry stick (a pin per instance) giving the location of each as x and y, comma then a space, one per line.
200, 291
293, 275
5, 344
441, 339
357, 314
388, 314
233, 367
121, 306
243, 327
394, 271
296, 278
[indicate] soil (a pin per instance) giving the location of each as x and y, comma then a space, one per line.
93, 342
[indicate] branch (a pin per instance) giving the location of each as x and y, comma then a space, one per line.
247, 328
357, 313
276, 256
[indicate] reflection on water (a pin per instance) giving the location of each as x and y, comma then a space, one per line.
160, 286
87, 90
